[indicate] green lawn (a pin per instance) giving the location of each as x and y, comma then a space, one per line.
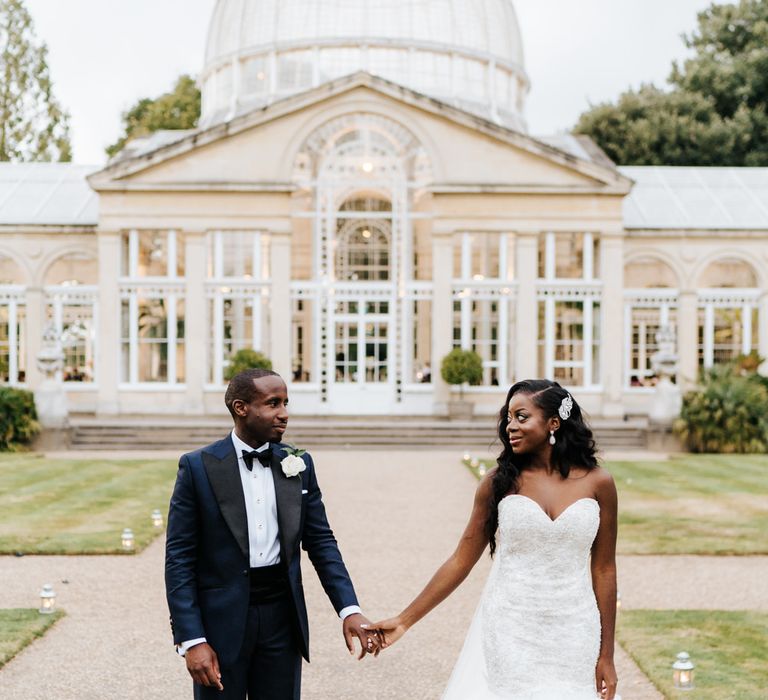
728, 649
68, 506
20, 627
693, 504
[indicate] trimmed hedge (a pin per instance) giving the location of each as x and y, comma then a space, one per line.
18, 418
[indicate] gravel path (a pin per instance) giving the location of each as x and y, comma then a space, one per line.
397, 516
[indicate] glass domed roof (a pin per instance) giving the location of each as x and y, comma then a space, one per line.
465, 52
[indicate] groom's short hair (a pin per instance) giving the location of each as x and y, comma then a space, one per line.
241, 386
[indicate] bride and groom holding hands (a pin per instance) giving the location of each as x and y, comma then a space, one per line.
243, 507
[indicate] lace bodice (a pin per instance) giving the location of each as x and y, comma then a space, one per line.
540, 623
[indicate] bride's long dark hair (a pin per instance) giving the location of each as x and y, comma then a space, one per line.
575, 445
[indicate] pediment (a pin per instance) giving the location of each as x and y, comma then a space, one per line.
256, 150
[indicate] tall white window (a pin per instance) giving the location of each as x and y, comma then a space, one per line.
482, 294
646, 315
12, 336
71, 295
569, 295
152, 307
238, 296
650, 307
12, 323
728, 311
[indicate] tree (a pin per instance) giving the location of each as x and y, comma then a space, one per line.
33, 126
715, 111
178, 109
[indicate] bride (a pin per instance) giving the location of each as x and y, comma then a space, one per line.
544, 629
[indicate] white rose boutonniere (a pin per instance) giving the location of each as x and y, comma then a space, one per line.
293, 464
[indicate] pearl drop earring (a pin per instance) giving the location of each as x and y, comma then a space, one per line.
552, 440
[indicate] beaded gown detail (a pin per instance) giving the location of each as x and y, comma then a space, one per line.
536, 633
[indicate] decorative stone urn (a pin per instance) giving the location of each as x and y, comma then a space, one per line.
50, 399
667, 399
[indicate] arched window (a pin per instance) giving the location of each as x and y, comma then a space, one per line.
363, 249
71, 296
650, 307
728, 311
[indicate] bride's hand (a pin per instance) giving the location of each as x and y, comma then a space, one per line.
605, 677
389, 630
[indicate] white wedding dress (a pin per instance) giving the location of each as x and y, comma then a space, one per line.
536, 632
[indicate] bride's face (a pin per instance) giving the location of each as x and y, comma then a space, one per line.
527, 429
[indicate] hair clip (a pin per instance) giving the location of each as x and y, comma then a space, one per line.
566, 406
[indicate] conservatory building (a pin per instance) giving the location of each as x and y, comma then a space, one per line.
361, 196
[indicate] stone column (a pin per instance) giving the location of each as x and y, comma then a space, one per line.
526, 315
442, 314
762, 332
108, 350
197, 329
280, 304
612, 330
35, 324
687, 339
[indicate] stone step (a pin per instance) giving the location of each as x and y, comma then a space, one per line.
401, 432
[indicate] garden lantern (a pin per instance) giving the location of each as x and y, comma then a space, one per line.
47, 600
481, 470
618, 601
127, 539
474, 462
467, 456
682, 672
157, 518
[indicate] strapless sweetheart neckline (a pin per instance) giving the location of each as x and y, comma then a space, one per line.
544, 512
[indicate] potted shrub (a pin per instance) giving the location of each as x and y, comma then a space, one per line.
461, 367
247, 358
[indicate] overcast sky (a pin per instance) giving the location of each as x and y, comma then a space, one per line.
105, 54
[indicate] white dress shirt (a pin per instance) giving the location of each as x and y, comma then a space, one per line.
261, 511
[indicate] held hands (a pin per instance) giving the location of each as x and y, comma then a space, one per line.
389, 631
605, 678
203, 665
357, 625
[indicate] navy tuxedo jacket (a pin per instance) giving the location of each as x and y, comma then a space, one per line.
207, 559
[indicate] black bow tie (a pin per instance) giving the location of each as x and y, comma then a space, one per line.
265, 457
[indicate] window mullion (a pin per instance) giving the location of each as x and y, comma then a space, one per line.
171, 338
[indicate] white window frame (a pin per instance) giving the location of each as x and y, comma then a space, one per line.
747, 300
13, 296
59, 296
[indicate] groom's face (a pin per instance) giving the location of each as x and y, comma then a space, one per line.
265, 418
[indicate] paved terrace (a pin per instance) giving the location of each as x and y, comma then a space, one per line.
397, 516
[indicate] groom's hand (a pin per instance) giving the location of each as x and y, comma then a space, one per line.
389, 631
355, 626
203, 665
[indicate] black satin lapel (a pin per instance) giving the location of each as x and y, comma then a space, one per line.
224, 475
288, 497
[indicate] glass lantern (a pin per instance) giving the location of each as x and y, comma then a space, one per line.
467, 456
481, 470
682, 672
157, 518
128, 539
47, 600
474, 462
618, 601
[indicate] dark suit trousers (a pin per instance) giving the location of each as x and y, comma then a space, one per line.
269, 665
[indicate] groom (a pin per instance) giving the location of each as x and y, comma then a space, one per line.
240, 510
